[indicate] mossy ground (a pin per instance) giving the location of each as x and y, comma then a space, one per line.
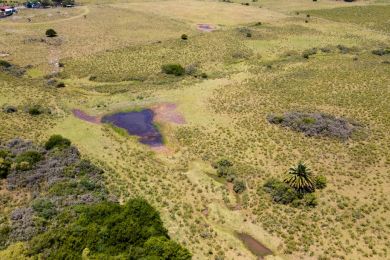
249, 78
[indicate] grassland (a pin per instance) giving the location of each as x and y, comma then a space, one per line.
112, 60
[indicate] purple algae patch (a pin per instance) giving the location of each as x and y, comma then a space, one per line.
139, 123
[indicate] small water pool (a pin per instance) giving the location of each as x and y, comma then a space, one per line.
139, 123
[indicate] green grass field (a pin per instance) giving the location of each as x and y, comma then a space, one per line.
111, 61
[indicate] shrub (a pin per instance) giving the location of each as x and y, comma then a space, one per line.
223, 163
165, 248
27, 160
60, 85
223, 171
307, 53
239, 186
173, 69
51, 33
280, 192
5, 64
310, 200
184, 37
35, 110
320, 181
231, 177
381, 52
44, 208
204, 75
5, 163
57, 141
248, 35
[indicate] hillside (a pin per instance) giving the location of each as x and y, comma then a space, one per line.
244, 129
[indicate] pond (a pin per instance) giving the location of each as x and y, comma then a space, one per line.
254, 246
139, 123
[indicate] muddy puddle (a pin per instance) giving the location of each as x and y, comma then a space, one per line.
253, 245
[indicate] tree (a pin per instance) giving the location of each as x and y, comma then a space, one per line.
300, 178
51, 33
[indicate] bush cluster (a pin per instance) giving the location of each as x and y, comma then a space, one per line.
173, 69
225, 169
315, 124
109, 230
297, 188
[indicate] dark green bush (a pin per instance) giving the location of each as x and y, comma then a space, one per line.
280, 192
57, 141
222, 163
5, 64
5, 163
173, 69
35, 110
184, 37
51, 33
239, 186
44, 208
109, 230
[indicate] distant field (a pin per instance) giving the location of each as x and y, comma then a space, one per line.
143, 62
205, 11
374, 17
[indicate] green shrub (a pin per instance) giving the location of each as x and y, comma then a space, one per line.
222, 163
57, 141
223, 171
310, 200
27, 160
173, 69
109, 231
5, 163
35, 110
44, 208
163, 248
280, 192
320, 181
239, 186
51, 33
184, 37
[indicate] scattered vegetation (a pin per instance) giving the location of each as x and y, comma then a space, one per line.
315, 124
297, 188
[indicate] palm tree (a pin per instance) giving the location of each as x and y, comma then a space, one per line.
300, 178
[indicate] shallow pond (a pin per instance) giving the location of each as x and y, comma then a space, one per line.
139, 123
254, 246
